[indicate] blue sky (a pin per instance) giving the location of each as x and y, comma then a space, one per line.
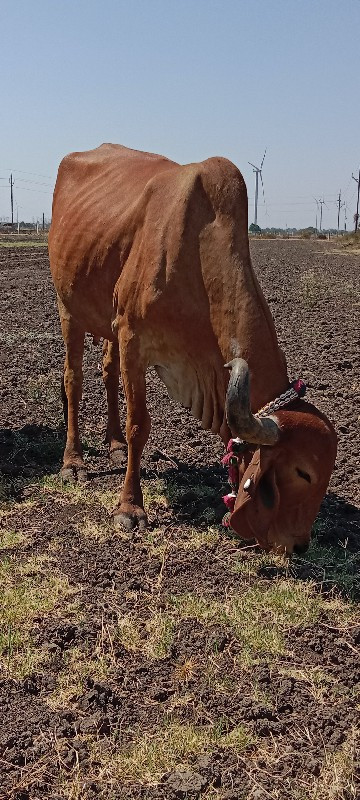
187, 79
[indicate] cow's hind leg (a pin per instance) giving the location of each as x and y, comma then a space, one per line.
130, 513
114, 435
73, 466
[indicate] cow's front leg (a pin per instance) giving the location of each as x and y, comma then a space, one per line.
73, 466
114, 435
130, 513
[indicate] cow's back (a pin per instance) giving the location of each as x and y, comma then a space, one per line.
95, 204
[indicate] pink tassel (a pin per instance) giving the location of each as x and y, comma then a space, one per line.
229, 500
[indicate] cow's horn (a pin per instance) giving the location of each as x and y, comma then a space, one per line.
241, 421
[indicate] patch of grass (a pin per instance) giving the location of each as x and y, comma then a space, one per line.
250, 563
154, 541
24, 243
199, 538
192, 539
154, 493
9, 539
153, 638
335, 566
78, 492
26, 590
160, 630
45, 387
350, 241
318, 681
259, 616
92, 530
338, 779
311, 287
80, 664
169, 747
193, 497
185, 671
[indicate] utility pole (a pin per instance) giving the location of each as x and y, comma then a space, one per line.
43, 222
340, 206
357, 204
12, 199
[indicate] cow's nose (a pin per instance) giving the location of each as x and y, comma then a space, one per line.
300, 549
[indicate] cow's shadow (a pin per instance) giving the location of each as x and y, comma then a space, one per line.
27, 454
333, 559
194, 493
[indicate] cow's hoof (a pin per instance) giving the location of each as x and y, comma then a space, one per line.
118, 456
74, 474
130, 518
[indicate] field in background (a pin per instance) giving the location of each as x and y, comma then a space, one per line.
174, 663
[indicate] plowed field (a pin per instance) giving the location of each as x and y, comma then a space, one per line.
174, 662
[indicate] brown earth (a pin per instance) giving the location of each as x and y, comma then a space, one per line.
137, 674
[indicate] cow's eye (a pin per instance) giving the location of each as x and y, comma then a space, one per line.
304, 475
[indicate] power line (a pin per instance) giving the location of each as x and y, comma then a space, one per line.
23, 172
37, 183
38, 191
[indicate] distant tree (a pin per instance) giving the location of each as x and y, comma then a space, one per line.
254, 228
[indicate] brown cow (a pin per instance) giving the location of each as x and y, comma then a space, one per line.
154, 257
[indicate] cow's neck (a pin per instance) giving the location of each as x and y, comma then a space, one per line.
245, 328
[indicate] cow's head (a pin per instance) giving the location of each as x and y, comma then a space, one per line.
285, 472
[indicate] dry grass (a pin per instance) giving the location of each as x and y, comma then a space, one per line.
26, 590
318, 681
350, 241
10, 539
338, 779
169, 747
259, 617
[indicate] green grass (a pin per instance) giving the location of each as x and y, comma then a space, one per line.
336, 567
24, 243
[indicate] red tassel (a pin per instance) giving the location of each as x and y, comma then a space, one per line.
229, 500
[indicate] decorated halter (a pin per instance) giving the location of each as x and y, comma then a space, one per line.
236, 447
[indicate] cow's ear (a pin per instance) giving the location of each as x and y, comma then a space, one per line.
258, 498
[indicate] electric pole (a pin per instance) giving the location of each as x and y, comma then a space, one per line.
357, 204
12, 199
340, 206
